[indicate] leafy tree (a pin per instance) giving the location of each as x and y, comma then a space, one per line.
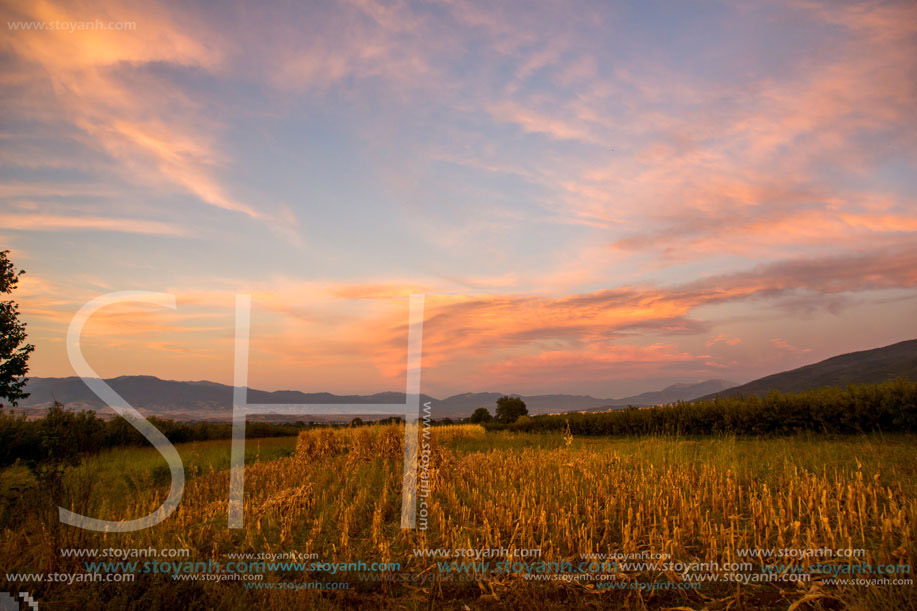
481, 415
510, 408
356, 421
66, 436
14, 355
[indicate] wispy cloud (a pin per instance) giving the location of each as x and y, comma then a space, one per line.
323, 328
104, 83
787, 346
48, 222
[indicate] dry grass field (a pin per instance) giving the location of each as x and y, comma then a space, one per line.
336, 497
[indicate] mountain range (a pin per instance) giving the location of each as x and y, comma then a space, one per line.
211, 401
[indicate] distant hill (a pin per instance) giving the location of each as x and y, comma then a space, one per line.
465, 403
675, 392
204, 400
182, 400
864, 367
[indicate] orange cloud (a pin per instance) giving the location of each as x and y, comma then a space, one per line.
785, 345
729, 340
50, 222
120, 109
613, 362
744, 166
333, 335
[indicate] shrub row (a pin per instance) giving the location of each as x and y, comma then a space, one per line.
888, 407
65, 435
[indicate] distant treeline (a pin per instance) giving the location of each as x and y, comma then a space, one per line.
65, 435
889, 407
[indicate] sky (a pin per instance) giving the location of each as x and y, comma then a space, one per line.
594, 198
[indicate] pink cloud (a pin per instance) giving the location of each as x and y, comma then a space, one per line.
50, 222
785, 345
723, 338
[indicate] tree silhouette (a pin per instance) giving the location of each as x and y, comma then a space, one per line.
509, 409
14, 355
480, 415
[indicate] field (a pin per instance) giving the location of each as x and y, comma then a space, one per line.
334, 496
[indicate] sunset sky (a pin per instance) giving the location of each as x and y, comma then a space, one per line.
597, 198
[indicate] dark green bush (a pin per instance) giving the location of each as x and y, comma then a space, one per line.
64, 436
888, 407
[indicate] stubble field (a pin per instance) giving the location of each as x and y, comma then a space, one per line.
513, 520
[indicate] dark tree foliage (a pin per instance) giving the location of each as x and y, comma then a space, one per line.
14, 354
890, 407
509, 409
481, 415
63, 436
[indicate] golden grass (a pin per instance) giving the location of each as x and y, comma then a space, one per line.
339, 496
